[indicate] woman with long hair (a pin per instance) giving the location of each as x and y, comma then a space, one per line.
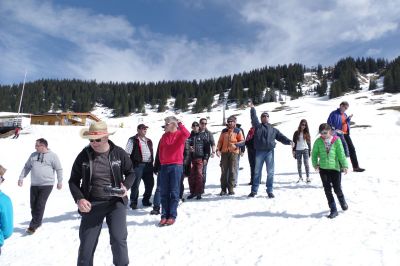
302, 148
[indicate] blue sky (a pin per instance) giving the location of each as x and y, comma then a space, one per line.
151, 40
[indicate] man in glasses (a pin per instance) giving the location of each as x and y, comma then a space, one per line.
6, 213
100, 177
41, 164
209, 138
140, 150
229, 143
340, 123
264, 144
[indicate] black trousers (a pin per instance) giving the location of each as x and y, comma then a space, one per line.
38, 199
251, 153
89, 231
331, 178
143, 171
352, 151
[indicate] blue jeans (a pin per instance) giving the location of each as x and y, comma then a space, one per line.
170, 177
268, 158
157, 196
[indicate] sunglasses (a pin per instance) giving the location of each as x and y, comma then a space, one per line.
95, 140
325, 132
230, 121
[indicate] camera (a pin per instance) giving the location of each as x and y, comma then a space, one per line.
114, 191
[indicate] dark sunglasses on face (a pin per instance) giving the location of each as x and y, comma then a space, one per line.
230, 121
95, 140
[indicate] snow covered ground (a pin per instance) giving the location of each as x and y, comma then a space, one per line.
290, 229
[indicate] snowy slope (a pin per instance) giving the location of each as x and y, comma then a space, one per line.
290, 229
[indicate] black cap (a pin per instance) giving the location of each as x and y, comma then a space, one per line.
142, 126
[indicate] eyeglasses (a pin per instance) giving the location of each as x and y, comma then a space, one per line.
324, 132
95, 140
230, 121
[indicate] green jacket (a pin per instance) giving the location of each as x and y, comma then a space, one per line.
334, 160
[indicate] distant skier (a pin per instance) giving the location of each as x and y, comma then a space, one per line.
16, 132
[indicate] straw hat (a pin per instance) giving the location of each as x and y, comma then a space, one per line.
96, 130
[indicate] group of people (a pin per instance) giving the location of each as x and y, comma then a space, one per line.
103, 172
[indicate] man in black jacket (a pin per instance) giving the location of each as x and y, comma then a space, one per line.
100, 176
140, 149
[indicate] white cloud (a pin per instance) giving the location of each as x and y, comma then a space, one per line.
108, 47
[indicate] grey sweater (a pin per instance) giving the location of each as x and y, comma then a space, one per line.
42, 167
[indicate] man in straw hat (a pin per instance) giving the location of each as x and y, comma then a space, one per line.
100, 176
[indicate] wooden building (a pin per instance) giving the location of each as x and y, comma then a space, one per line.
64, 119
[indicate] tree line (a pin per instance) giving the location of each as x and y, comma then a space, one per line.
259, 85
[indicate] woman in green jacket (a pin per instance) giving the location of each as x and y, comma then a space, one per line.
329, 159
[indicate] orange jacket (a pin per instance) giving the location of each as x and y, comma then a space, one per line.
229, 137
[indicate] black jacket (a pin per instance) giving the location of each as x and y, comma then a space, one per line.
265, 135
81, 173
136, 155
201, 146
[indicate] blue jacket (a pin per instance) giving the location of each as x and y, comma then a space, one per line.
265, 135
335, 120
6, 218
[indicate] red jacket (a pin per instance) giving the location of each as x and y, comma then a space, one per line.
172, 146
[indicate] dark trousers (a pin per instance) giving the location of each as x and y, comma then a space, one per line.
170, 177
38, 199
228, 170
331, 178
196, 177
89, 231
352, 151
204, 175
143, 171
251, 153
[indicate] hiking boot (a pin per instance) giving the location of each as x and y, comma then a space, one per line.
271, 195
222, 193
343, 204
170, 221
191, 196
333, 212
358, 169
30, 230
308, 180
250, 183
300, 179
198, 197
252, 194
231, 193
162, 222
155, 211
133, 206
147, 203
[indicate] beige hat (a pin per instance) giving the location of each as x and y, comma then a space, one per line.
96, 130
2, 170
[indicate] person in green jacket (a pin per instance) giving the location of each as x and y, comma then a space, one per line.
329, 159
